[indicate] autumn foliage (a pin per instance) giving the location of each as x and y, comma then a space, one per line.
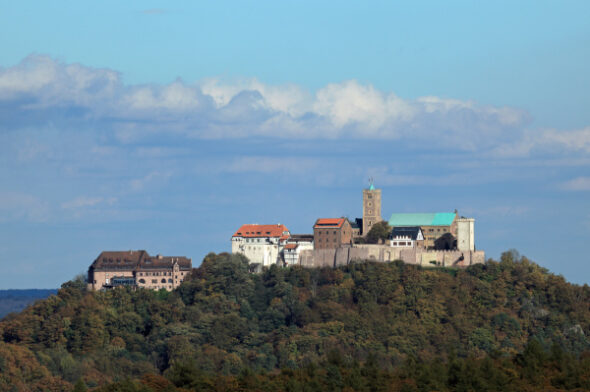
507, 325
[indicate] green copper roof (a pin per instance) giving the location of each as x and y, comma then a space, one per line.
372, 187
431, 219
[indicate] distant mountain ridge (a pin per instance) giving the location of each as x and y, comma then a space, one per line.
15, 300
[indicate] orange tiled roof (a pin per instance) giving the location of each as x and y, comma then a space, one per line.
262, 231
329, 222
291, 246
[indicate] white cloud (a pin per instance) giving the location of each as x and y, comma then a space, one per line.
86, 201
266, 165
550, 140
577, 184
154, 178
42, 90
289, 99
19, 206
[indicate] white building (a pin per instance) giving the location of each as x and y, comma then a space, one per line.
406, 237
295, 244
261, 244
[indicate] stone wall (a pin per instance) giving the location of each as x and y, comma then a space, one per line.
385, 254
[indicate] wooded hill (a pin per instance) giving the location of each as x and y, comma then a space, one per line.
508, 325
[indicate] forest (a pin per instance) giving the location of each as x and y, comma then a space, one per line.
507, 325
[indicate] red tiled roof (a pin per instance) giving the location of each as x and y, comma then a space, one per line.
261, 231
329, 222
291, 246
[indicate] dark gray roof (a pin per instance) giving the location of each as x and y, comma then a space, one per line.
137, 259
357, 224
405, 231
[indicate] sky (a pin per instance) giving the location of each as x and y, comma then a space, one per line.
164, 126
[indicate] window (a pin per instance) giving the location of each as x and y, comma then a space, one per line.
334, 231
154, 280
169, 280
142, 281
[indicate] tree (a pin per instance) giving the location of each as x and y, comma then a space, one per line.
80, 386
379, 231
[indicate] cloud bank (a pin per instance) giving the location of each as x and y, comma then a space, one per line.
41, 90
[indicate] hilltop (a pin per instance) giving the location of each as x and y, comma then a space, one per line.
508, 325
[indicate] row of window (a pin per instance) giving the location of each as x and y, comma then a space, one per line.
156, 274
402, 243
155, 281
327, 240
256, 240
438, 230
327, 232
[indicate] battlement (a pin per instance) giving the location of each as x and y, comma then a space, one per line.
386, 254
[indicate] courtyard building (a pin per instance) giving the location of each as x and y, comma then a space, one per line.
406, 237
261, 244
136, 268
330, 233
439, 229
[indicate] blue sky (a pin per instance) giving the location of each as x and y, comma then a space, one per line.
164, 126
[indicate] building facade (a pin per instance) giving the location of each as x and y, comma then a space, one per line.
406, 237
439, 229
137, 269
295, 245
371, 208
261, 244
329, 233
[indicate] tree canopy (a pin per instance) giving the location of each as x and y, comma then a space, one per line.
379, 231
508, 325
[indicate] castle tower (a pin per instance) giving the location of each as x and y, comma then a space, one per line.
465, 234
371, 207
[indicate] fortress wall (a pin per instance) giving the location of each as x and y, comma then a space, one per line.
386, 254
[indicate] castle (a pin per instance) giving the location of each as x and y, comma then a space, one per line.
427, 239
136, 268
